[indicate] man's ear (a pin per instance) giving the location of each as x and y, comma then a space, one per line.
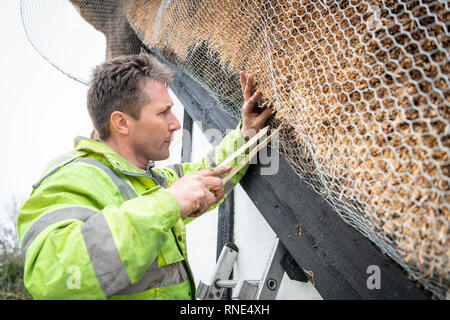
119, 123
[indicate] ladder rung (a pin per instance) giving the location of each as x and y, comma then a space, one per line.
232, 283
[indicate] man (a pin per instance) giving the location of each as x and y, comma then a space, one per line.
102, 222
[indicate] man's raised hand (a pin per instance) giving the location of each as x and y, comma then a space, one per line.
252, 121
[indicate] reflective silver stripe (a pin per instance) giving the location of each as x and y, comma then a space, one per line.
50, 218
104, 256
158, 277
211, 158
125, 189
178, 168
159, 177
109, 268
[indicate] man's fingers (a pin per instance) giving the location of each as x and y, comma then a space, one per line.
215, 172
248, 87
243, 81
195, 214
214, 186
213, 183
249, 106
211, 199
207, 201
265, 115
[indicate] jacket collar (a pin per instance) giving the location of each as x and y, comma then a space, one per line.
115, 160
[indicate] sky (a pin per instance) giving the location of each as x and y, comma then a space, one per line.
42, 109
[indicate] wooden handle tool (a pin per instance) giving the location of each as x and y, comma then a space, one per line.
251, 154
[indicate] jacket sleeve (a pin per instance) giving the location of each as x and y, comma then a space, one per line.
230, 143
80, 240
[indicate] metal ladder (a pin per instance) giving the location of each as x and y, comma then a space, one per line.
266, 288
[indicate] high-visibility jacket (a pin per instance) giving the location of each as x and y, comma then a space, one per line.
98, 227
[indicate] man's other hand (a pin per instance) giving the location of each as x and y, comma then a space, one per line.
198, 191
252, 121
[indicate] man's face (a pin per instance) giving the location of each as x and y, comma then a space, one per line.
150, 136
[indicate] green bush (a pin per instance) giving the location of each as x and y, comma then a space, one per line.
11, 269
11, 277
11, 263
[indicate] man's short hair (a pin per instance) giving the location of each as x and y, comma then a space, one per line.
116, 86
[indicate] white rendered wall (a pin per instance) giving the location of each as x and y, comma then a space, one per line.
255, 239
253, 236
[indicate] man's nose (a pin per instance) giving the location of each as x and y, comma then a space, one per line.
174, 124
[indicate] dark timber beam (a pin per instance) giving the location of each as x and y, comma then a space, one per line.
334, 256
225, 232
186, 142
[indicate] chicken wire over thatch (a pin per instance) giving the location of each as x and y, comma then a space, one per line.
360, 89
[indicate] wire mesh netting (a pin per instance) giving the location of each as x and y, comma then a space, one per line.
360, 89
